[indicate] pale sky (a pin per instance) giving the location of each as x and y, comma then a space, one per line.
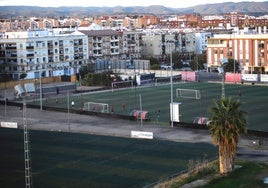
112, 3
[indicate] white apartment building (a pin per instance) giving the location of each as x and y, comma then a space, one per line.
44, 52
201, 40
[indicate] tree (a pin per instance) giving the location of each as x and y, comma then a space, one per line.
230, 66
23, 75
227, 124
99, 79
176, 60
85, 70
155, 67
153, 61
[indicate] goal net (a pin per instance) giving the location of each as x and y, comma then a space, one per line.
96, 107
122, 84
188, 93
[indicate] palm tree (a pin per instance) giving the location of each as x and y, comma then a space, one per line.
227, 124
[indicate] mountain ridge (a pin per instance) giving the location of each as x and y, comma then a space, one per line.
204, 9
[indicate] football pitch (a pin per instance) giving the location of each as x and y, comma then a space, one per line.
80, 160
156, 100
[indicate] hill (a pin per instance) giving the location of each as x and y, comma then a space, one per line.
205, 9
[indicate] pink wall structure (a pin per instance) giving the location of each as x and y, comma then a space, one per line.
188, 75
231, 77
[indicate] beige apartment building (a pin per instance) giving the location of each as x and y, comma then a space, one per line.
110, 44
250, 50
103, 43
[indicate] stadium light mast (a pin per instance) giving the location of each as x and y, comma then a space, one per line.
40, 88
141, 110
223, 62
27, 156
68, 106
171, 81
5, 97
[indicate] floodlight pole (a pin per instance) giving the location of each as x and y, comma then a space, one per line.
141, 109
234, 73
68, 106
223, 85
171, 82
40, 88
27, 156
5, 97
223, 79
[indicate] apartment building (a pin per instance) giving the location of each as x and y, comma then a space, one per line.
126, 22
158, 45
201, 40
103, 44
131, 41
250, 50
43, 52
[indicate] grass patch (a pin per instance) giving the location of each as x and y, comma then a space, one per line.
250, 174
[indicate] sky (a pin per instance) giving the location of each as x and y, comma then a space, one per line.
112, 3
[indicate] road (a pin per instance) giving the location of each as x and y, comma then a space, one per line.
64, 122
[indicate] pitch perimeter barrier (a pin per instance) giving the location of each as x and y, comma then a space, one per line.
205, 127
125, 117
181, 173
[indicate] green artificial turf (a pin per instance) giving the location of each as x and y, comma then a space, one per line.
79, 160
156, 99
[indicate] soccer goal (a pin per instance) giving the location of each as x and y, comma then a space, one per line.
122, 84
96, 107
188, 93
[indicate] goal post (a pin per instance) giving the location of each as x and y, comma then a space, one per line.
188, 93
96, 107
122, 84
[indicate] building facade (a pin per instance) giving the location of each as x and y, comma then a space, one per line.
103, 44
43, 52
249, 50
131, 41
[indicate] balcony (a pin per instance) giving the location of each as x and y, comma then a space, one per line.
30, 55
29, 47
11, 47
